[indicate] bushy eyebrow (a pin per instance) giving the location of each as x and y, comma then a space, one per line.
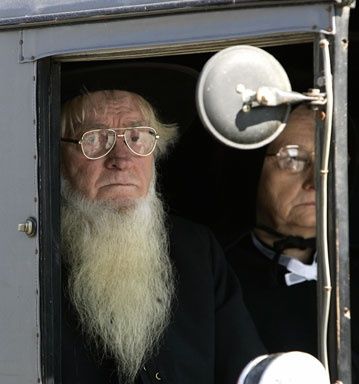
137, 123
89, 127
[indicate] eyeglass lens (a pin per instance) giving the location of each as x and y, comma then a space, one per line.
140, 140
98, 143
293, 159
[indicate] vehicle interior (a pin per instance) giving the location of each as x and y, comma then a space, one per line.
210, 183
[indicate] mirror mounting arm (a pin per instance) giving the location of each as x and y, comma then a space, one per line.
271, 97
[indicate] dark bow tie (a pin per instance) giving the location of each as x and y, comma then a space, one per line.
297, 242
286, 242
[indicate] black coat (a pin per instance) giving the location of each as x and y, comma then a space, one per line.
211, 336
285, 317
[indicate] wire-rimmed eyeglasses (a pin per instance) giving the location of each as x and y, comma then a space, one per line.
98, 143
293, 158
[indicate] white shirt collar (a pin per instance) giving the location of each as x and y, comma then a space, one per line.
297, 271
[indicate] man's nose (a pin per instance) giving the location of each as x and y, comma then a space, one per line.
119, 155
309, 180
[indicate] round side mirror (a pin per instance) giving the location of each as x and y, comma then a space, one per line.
227, 97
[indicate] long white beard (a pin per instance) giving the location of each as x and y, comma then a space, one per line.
120, 276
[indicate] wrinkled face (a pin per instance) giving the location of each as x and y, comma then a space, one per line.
121, 177
285, 200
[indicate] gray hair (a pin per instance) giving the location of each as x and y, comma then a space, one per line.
77, 111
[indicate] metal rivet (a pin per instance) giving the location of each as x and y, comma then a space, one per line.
246, 108
29, 227
157, 376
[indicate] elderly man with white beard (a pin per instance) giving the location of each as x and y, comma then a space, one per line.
147, 296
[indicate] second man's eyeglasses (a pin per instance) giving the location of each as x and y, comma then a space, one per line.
293, 158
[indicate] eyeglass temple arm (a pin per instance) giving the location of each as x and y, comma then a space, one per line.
68, 140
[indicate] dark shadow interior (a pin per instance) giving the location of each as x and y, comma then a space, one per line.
215, 184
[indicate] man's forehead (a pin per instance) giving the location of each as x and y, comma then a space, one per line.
300, 129
115, 100
101, 106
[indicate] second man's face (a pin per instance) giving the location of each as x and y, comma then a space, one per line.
121, 177
285, 200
